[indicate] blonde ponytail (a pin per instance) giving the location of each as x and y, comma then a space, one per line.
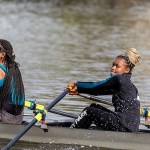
132, 55
131, 58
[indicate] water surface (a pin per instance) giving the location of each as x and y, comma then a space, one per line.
58, 44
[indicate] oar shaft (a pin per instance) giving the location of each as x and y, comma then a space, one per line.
12, 142
61, 96
63, 113
100, 100
37, 118
96, 99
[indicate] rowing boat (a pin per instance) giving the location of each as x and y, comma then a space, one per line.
60, 133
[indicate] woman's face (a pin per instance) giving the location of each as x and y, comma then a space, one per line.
119, 67
2, 53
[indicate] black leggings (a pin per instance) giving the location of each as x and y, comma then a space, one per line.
100, 116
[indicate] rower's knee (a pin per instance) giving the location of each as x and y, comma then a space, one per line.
93, 105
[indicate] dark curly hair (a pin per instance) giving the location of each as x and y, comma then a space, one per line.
13, 74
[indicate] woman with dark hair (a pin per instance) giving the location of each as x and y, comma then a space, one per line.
12, 94
126, 116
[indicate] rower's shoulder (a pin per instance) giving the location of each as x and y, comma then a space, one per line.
121, 78
124, 75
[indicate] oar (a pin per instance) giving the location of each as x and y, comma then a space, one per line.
32, 105
143, 111
58, 112
96, 99
71, 115
38, 117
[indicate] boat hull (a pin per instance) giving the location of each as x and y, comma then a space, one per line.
65, 135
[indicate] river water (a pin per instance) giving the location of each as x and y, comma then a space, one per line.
56, 44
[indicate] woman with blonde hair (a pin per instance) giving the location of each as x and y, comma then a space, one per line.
126, 116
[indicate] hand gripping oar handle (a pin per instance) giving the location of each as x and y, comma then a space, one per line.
96, 99
38, 117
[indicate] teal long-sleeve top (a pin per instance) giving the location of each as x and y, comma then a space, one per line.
5, 70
